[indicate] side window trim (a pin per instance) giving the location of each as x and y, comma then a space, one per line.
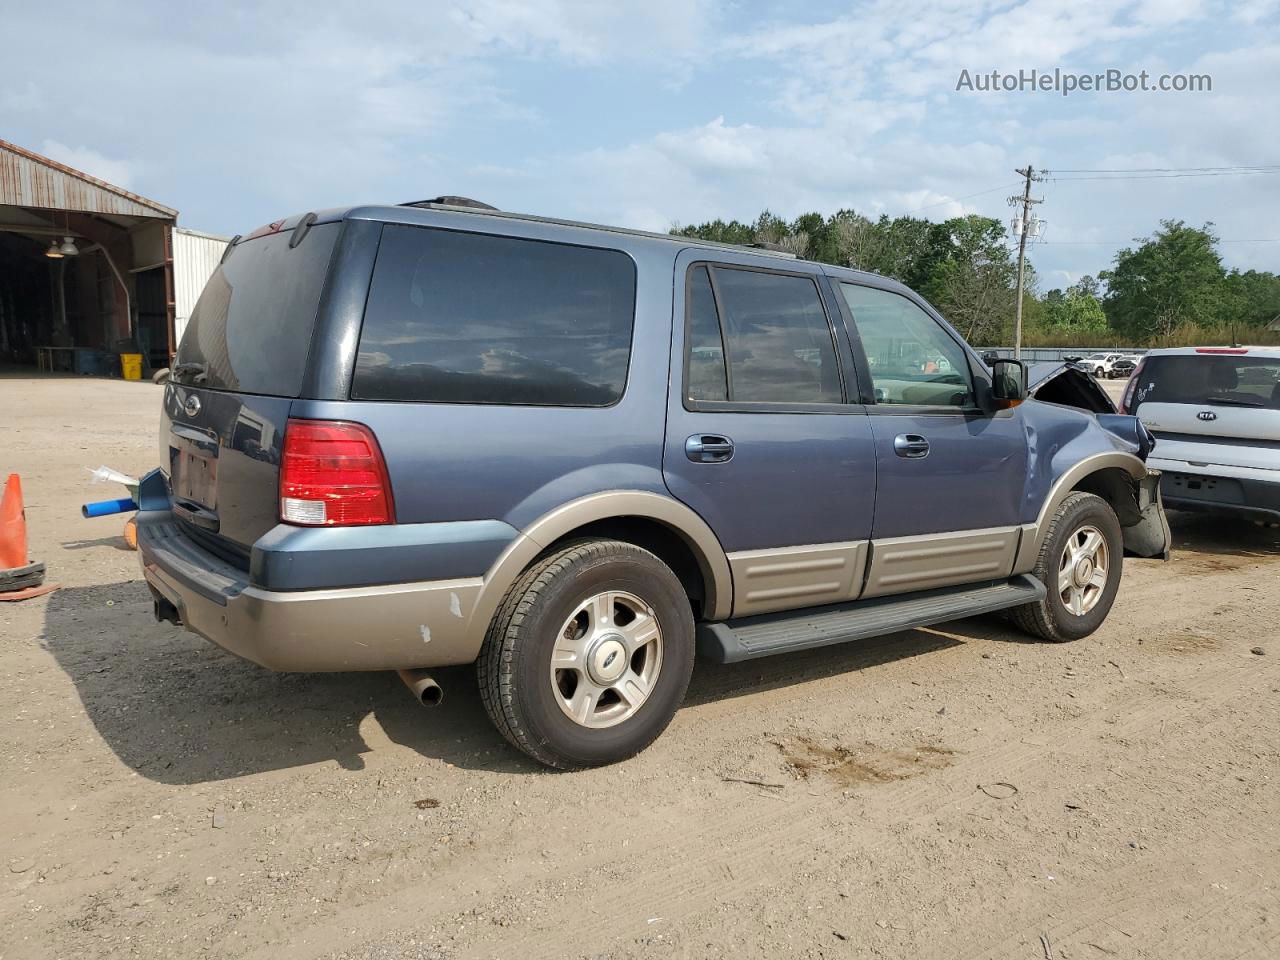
849, 403
718, 300
973, 409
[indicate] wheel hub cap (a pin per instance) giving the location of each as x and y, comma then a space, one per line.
607, 660
1084, 570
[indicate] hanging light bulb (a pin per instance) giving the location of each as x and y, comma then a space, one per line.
53, 253
69, 248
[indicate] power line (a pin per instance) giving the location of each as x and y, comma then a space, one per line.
1250, 166
1096, 243
967, 196
1166, 176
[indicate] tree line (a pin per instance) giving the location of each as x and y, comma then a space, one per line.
1170, 289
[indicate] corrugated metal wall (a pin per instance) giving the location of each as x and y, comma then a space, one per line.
195, 257
30, 180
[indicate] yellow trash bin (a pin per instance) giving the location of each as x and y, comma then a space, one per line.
131, 366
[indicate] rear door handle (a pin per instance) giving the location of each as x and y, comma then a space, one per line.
708, 448
910, 445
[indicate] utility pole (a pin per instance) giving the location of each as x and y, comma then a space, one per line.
1023, 225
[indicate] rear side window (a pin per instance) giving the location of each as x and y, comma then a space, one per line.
251, 327
472, 318
1204, 379
759, 337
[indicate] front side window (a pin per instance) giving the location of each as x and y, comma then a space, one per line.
913, 360
473, 318
758, 337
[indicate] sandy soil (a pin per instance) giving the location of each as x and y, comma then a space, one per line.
952, 793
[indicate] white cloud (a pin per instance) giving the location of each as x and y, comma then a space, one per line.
120, 173
241, 114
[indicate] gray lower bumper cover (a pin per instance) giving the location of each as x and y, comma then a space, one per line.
384, 627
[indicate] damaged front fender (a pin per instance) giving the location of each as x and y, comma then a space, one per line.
1150, 536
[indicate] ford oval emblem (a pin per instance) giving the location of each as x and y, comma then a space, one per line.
191, 406
1206, 415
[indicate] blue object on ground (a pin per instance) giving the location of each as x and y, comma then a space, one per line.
105, 508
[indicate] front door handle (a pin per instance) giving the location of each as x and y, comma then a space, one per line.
910, 445
708, 448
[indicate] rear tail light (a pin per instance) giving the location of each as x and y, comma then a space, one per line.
1235, 351
1130, 388
332, 475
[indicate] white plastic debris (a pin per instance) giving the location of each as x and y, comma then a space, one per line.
105, 474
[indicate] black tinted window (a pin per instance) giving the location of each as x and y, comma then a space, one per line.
251, 327
1206, 379
777, 338
470, 318
706, 351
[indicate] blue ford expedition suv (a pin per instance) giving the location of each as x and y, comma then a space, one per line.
399, 438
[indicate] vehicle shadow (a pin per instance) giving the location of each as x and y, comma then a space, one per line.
115, 542
1231, 537
179, 710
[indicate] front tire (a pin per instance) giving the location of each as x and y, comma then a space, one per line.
589, 656
1080, 564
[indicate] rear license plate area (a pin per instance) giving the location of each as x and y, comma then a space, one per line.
1190, 486
195, 478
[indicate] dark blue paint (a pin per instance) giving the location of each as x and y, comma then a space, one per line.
466, 478
310, 558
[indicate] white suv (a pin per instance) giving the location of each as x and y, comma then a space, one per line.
1102, 364
1215, 413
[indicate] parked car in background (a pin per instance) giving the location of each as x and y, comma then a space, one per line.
1102, 364
1123, 367
419, 436
1215, 413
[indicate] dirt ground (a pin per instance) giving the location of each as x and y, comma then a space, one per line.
945, 793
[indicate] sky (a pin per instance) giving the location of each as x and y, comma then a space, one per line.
648, 114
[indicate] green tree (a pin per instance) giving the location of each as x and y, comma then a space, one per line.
1253, 298
1076, 312
1173, 277
970, 277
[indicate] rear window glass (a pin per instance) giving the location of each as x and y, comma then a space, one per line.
251, 327
1203, 379
471, 318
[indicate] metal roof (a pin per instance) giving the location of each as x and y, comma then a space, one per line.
30, 180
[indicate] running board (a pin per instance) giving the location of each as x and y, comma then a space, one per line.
771, 633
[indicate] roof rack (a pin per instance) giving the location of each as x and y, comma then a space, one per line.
475, 207
450, 201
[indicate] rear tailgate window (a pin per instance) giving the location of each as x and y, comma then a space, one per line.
1205, 380
252, 326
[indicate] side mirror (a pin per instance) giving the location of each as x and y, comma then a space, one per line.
1009, 382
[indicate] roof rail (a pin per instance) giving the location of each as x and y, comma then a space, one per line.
451, 201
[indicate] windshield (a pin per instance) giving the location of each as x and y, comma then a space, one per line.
250, 330
1204, 380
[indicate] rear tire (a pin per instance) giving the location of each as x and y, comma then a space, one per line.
589, 655
1080, 565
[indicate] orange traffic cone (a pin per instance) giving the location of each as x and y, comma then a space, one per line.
19, 578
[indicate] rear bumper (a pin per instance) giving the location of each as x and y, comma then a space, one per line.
1209, 493
386, 627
